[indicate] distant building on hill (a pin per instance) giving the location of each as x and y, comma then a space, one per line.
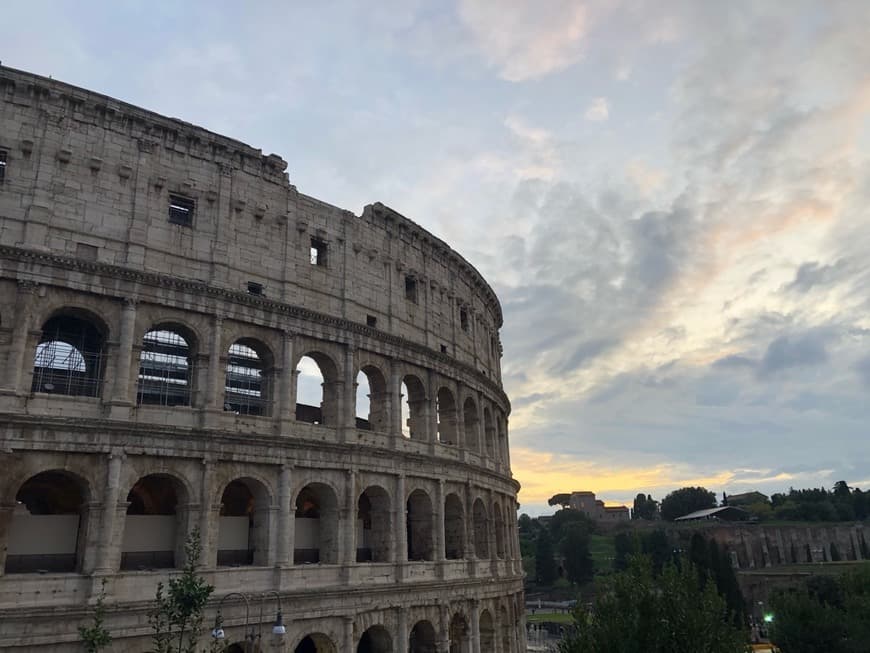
593, 508
745, 499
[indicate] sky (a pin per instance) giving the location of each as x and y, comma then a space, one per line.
670, 199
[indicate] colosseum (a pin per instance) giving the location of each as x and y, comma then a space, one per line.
164, 292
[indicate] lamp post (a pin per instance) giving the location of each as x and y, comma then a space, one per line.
250, 636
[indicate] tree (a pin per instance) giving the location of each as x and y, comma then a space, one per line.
625, 545
685, 500
566, 517
574, 548
545, 565
563, 499
177, 614
644, 507
96, 636
639, 612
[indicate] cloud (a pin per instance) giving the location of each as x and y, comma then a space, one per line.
862, 367
525, 40
598, 110
795, 351
812, 274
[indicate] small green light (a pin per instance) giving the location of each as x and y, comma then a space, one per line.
768, 617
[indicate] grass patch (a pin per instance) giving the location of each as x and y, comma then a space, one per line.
602, 550
550, 617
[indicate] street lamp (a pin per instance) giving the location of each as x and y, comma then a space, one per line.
278, 627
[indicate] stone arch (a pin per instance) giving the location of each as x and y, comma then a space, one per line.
459, 634
248, 385
447, 416
244, 524
505, 627
49, 523
480, 519
487, 631
499, 525
316, 533
315, 643
155, 527
471, 422
454, 527
489, 436
413, 407
321, 405
374, 525
166, 365
371, 400
376, 639
422, 638
419, 526
71, 356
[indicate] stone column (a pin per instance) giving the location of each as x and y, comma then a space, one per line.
121, 389
209, 516
433, 407
350, 384
395, 392
287, 399
475, 627
443, 644
471, 552
402, 633
348, 554
491, 535
6, 512
109, 547
216, 372
440, 535
481, 427
401, 550
14, 372
347, 634
283, 553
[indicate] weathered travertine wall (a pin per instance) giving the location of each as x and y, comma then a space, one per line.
254, 278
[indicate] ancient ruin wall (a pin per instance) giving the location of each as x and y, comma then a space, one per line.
159, 286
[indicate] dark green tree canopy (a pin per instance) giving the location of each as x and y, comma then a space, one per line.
563, 499
644, 507
685, 500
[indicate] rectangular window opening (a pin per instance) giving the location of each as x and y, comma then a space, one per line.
255, 288
443, 349
318, 252
371, 321
411, 289
2, 165
181, 210
463, 319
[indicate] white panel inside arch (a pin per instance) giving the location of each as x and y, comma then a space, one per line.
43, 534
233, 533
307, 533
149, 533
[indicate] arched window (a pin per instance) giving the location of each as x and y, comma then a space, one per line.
375, 640
454, 528
481, 541
316, 538
373, 526
317, 390
371, 400
155, 526
472, 422
489, 432
247, 389
315, 643
422, 638
487, 631
243, 533
499, 530
460, 634
413, 408
165, 368
70, 357
48, 524
419, 525
447, 417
